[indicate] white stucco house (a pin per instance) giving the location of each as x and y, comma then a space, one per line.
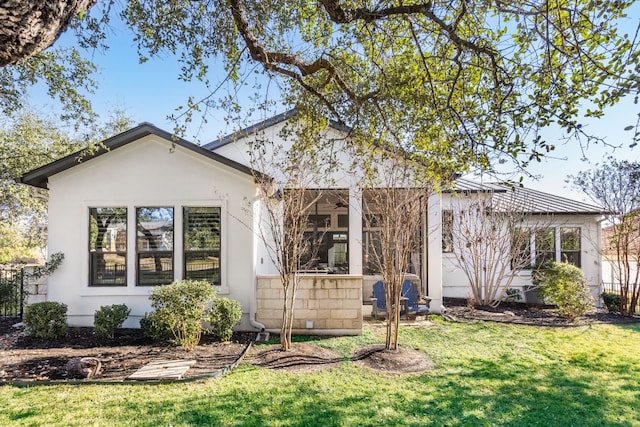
151, 208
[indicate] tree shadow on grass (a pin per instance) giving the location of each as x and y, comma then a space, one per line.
513, 394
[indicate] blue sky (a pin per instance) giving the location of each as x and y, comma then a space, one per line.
151, 91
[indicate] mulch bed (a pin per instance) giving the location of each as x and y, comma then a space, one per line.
529, 315
28, 359
25, 358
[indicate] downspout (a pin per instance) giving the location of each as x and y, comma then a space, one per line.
253, 297
252, 308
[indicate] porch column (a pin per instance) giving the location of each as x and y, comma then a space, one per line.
355, 232
434, 252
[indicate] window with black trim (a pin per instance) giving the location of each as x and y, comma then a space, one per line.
202, 244
570, 247
107, 246
154, 244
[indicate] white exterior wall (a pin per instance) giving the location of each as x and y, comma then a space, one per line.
455, 283
144, 173
345, 175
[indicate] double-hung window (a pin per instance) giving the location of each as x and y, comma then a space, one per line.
107, 246
202, 244
154, 244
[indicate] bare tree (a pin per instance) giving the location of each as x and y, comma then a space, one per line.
395, 190
394, 216
615, 184
491, 236
288, 200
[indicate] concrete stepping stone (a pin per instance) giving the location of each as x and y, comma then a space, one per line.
162, 370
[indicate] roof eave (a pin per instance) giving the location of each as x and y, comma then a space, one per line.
39, 177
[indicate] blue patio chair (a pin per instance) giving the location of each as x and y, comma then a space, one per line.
379, 302
410, 292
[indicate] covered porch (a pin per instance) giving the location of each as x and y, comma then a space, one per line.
337, 279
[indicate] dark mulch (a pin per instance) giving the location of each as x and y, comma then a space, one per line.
402, 361
530, 315
26, 358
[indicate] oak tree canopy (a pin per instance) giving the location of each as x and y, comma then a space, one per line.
458, 81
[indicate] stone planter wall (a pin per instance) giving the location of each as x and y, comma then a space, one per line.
325, 304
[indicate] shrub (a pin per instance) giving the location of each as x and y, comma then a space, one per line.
153, 328
182, 307
225, 314
564, 285
611, 301
108, 318
46, 319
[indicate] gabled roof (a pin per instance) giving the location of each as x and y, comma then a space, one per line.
39, 177
531, 201
272, 121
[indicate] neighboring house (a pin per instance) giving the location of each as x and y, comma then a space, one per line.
152, 208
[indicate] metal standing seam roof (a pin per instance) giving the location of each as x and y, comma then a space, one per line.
539, 202
39, 177
531, 201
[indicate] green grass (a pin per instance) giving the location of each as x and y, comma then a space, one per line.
486, 375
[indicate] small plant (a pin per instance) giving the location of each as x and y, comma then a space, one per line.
108, 318
611, 301
512, 296
182, 308
46, 319
225, 314
153, 328
564, 285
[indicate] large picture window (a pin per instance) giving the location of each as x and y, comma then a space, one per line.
107, 246
542, 244
202, 244
154, 244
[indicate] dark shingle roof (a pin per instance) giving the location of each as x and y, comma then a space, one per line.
39, 177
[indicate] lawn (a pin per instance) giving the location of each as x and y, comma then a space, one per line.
485, 374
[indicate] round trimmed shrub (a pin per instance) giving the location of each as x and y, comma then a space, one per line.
108, 318
182, 307
565, 286
46, 319
225, 314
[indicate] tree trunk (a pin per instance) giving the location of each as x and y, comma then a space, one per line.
30, 26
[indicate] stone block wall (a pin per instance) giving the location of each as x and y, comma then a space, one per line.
325, 304
36, 289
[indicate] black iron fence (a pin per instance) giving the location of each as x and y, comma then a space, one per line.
12, 293
614, 288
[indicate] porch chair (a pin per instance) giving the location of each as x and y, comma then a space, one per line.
379, 302
410, 292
